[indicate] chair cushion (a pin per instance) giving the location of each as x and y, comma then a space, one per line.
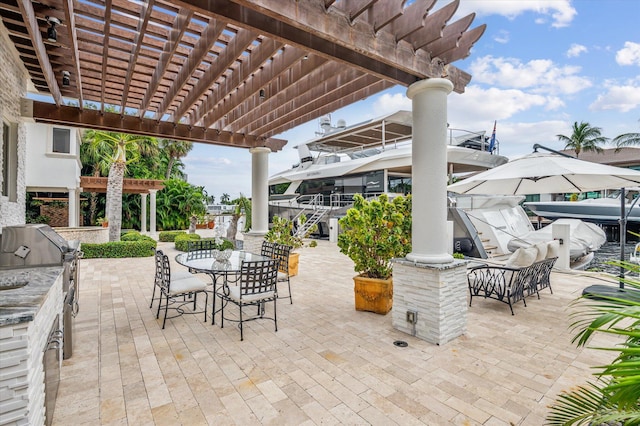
522, 257
179, 275
282, 276
542, 251
553, 248
234, 294
186, 285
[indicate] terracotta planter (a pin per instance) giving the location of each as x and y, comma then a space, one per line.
211, 224
201, 226
105, 224
294, 258
373, 294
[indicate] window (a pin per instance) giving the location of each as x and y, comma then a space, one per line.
9, 161
61, 140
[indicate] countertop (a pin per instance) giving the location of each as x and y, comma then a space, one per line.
22, 304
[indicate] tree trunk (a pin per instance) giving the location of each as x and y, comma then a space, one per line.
170, 167
232, 230
114, 199
93, 202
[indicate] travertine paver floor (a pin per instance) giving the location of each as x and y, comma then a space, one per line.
327, 364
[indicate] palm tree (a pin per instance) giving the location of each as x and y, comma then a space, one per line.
119, 144
242, 206
627, 139
584, 138
224, 198
613, 399
175, 151
96, 156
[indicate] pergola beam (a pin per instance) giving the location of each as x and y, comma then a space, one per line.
113, 122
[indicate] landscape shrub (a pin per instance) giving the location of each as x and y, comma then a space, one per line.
182, 242
135, 236
118, 249
170, 236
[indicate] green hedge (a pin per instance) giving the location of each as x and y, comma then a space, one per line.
135, 236
182, 242
170, 236
117, 249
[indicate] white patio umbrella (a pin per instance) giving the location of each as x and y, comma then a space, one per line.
541, 173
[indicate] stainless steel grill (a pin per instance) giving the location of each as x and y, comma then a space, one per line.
39, 245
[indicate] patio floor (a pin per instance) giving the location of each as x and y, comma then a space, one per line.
327, 364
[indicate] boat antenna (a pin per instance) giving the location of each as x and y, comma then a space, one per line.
537, 145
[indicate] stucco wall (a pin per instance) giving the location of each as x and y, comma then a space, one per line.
13, 86
55, 172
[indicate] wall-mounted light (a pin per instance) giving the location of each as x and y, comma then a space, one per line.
66, 78
52, 35
262, 95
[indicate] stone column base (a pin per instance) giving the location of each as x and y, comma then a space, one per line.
253, 241
436, 293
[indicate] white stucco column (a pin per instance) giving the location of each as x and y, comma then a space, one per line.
429, 171
73, 211
259, 189
143, 213
152, 209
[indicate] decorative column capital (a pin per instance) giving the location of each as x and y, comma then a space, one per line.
431, 83
260, 150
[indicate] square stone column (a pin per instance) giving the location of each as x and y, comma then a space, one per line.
436, 293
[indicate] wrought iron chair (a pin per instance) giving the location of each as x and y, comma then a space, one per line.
201, 245
281, 254
172, 288
157, 282
267, 248
256, 285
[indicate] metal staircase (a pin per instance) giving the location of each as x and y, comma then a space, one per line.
316, 216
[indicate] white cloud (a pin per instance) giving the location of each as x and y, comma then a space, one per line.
576, 50
540, 75
389, 103
623, 98
502, 37
629, 54
559, 12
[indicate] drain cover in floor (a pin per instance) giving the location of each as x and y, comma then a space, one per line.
401, 343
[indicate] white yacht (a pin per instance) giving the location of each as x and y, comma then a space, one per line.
368, 158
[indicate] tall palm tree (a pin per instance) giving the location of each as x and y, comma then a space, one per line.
120, 144
96, 156
175, 151
584, 138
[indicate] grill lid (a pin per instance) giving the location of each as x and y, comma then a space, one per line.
32, 244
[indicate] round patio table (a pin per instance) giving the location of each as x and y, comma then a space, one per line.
205, 261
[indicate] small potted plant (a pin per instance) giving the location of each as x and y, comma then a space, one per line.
374, 233
103, 221
282, 231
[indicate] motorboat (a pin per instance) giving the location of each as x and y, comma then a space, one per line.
493, 226
369, 158
604, 211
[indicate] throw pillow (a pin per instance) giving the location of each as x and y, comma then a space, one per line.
553, 249
542, 251
522, 257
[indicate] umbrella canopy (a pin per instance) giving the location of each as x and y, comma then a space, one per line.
541, 173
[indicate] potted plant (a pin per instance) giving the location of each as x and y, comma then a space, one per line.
374, 233
103, 221
282, 231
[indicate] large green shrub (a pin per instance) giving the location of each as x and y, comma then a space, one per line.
170, 236
135, 236
182, 242
177, 202
375, 232
116, 249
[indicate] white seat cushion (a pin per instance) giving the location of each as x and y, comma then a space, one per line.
234, 293
542, 251
522, 257
186, 285
179, 275
282, 276
553, 248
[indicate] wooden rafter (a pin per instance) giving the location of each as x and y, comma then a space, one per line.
248, 69
31, 21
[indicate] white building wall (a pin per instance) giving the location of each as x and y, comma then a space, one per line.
13, 86
48, 170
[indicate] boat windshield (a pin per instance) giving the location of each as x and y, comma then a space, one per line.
630, 194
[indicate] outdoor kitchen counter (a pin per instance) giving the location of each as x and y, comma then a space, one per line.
22, 304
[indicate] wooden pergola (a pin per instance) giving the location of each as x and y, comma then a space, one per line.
129, 186
227, 72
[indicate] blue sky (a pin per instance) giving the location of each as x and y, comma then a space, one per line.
540, 66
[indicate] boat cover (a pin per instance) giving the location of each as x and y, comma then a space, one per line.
585, 237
